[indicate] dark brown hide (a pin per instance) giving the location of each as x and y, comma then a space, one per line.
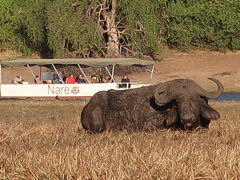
191, 101
175, 105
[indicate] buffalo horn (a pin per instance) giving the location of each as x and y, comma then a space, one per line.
203, 92
158, 94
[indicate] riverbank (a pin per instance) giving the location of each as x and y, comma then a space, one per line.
196, 65
199, 65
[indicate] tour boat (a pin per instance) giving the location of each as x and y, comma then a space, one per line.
63, 90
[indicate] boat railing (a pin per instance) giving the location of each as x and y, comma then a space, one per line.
131, 85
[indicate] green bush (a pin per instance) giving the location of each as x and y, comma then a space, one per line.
213, 24
69, 31
56, 27
10, 13
141, 23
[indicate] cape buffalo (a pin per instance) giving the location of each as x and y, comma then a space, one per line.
180, 103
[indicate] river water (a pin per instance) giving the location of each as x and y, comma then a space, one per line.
223, 97
228, 97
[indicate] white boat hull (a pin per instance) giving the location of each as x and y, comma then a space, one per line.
57, 91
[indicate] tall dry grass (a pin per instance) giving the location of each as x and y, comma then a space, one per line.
42, 140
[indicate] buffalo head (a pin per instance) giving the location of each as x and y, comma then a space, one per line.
190, 100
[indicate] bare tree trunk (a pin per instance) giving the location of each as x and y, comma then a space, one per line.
105, 13
113, 44
113, 49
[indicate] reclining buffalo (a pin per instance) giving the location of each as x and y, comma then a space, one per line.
177, 104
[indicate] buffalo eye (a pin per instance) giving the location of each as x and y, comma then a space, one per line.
160, 93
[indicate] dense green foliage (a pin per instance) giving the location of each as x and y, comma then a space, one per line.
214, 24
67, 28
34, 23
69, 31
142, 25
9, 24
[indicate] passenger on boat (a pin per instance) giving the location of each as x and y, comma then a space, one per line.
125, 82
37, 80
56, 79
109, 79
71, 79
64, 78
100, 80
18, 80
80, 79
94, 79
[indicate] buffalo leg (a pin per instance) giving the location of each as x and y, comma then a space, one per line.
97, 120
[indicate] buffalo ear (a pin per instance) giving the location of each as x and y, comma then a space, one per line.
209, 113
172, 118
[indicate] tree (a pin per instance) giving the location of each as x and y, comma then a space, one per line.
70, 33
84, 28
127, 25
103, 12
33, 27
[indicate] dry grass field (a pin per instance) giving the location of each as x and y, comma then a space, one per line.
43, 140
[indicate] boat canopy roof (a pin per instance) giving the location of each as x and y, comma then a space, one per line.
91, 62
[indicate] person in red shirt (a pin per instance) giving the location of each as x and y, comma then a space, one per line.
71, 79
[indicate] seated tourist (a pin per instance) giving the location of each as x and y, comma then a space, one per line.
80, 79
71, 79
56, 79
109, 79
37, 80
94, 79
100, 80
18, 80
125, 82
